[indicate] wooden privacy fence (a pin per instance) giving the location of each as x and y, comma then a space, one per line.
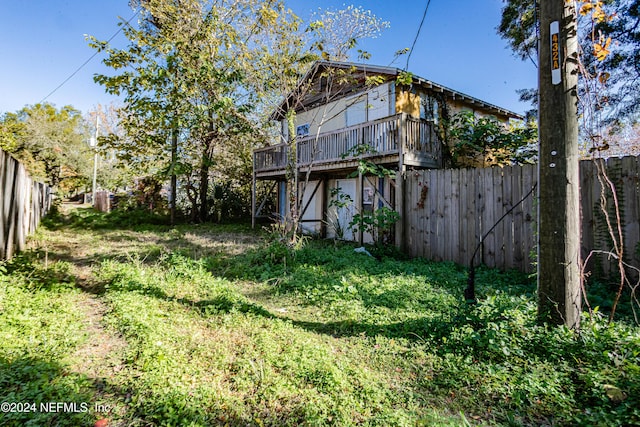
447, 212
23, 203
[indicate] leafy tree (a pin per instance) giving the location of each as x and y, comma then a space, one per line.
519, 26
12, 131
193, 73
483, 141
51, 142
148, 81
623, 141
210, 73
616, 56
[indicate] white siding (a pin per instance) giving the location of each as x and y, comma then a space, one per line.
379, 101
356, 110
374, 104
314, 210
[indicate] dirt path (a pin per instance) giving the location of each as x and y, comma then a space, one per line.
101, 355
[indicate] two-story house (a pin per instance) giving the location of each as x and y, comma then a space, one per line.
344, 113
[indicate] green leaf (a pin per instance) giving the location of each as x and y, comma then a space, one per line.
404, 78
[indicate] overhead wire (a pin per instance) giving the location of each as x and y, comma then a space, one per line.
90, 58
424, 15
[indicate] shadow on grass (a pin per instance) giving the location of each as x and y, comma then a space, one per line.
412, 330
32, 384
44, 393
321, 268
228, 302
224, 302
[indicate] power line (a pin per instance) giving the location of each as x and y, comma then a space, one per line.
88, 60
424, 15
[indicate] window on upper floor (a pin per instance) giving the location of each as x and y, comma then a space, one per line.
356, 112
302, 130
429, 110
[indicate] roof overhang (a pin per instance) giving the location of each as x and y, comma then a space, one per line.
392, 72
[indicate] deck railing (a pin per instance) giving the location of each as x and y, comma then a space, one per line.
422, 138
273, 157
381, 137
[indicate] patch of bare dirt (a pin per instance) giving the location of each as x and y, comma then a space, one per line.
101, 355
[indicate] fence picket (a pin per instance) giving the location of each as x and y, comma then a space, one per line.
447, 215
463, 228
434, 201
506, 226
517, 253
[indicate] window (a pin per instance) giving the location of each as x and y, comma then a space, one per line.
429, 109
325, 82
435, 111
357, 111
367, 199
302, 130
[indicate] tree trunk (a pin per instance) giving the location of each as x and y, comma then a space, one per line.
292, 175
204, 184
174, 179
192, 195
559, 298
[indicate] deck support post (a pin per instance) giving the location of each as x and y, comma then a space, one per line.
400, 176
359, 206
325, 208
253, 194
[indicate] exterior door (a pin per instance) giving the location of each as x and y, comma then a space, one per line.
340, 217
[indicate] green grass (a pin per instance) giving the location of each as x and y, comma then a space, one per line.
39, 330
222, 326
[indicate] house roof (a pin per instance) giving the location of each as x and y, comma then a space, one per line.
393, 72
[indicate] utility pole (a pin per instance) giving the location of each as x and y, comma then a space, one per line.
95, 160
559, 297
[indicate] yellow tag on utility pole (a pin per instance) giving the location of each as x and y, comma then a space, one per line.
556, 71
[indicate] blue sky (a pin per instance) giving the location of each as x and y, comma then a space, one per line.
42, 43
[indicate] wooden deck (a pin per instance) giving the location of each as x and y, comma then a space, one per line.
387, 141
